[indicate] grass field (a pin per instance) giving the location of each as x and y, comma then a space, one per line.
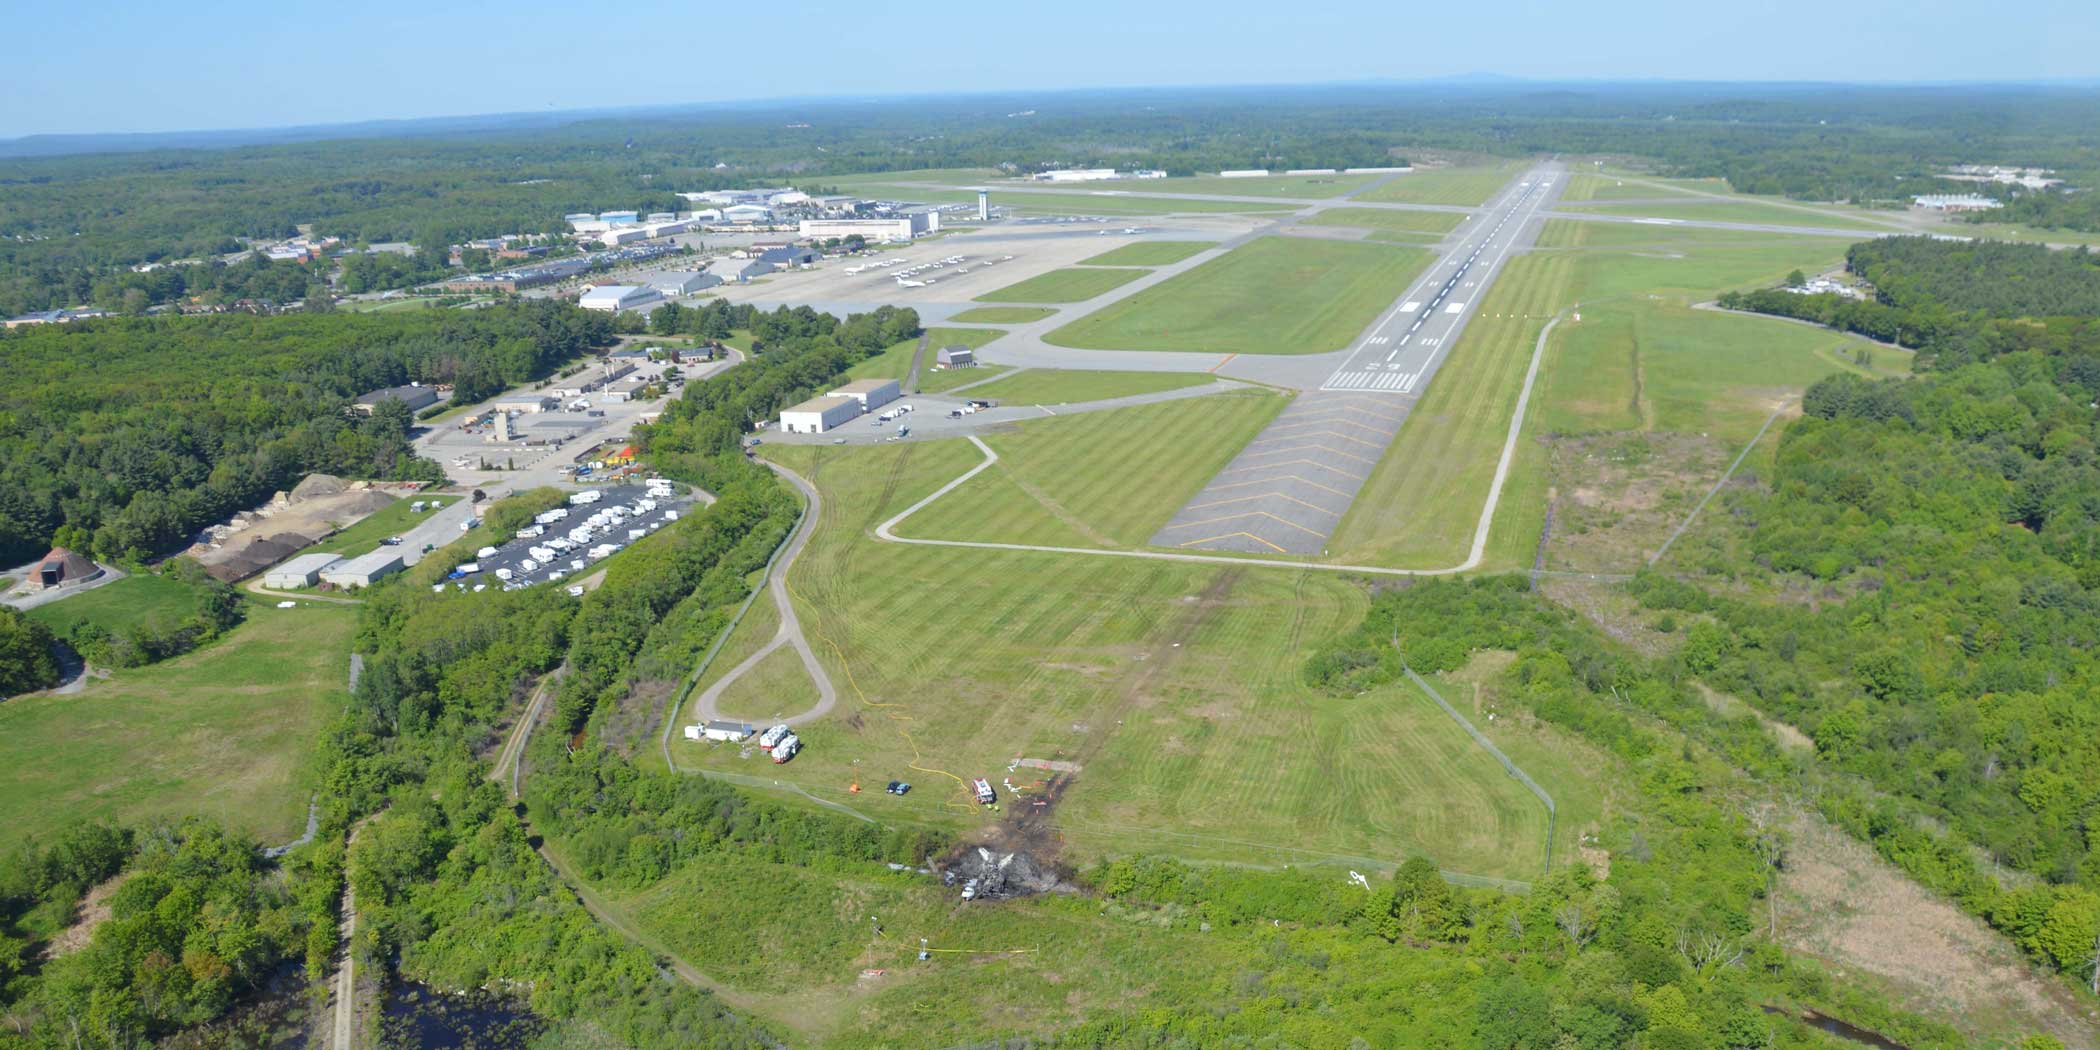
1149, 253
774, 689
1416, 225
117, 607
1466, 186
1176, 686
1050, 485
895, 362
1063, 286
1645, 365
223, 731
1307, 187
1746, 211
1611, 186
1051, 386
1421, 504
1003, 314
1272, 295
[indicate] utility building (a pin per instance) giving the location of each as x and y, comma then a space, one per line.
363, 570
415, 397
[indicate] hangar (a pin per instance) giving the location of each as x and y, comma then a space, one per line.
819, 414
870, 394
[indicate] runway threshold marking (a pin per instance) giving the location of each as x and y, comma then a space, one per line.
1229, 535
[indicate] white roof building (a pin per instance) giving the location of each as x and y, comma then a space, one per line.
819, 414
363, 570
871, 393
301, 571
613, 298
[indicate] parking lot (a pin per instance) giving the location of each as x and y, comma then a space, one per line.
633, 520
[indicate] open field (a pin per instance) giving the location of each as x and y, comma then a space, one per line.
1423, 500
1272, 295
1195, 738
1464, 186
421, 302
1748, 211
224, 731
1048, 386
1415, 225
1002, 314
1149, 253
1053, 484
117, 607
1063, 286
1307, 187
1644, 365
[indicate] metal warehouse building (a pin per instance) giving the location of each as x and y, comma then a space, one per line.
363, 570
301, 571
819, 414
871, 393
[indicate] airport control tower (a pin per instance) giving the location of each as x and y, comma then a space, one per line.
984, 205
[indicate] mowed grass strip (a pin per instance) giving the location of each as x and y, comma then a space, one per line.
1272, 295
1179, 687
1149, 253
1053, 386
1466, 186
1002, 314
1383, 220
1420, 506
1063, 286
1099, 479
223, 732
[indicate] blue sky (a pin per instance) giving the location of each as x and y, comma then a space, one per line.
148, 65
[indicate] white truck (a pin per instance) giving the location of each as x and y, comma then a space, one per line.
485, 552
773, 735
786, 748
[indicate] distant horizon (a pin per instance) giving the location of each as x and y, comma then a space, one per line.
1485, 80
135, 68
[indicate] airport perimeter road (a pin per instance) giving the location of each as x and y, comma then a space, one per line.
1401, 350
706, 708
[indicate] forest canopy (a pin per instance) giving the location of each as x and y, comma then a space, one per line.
124, 436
